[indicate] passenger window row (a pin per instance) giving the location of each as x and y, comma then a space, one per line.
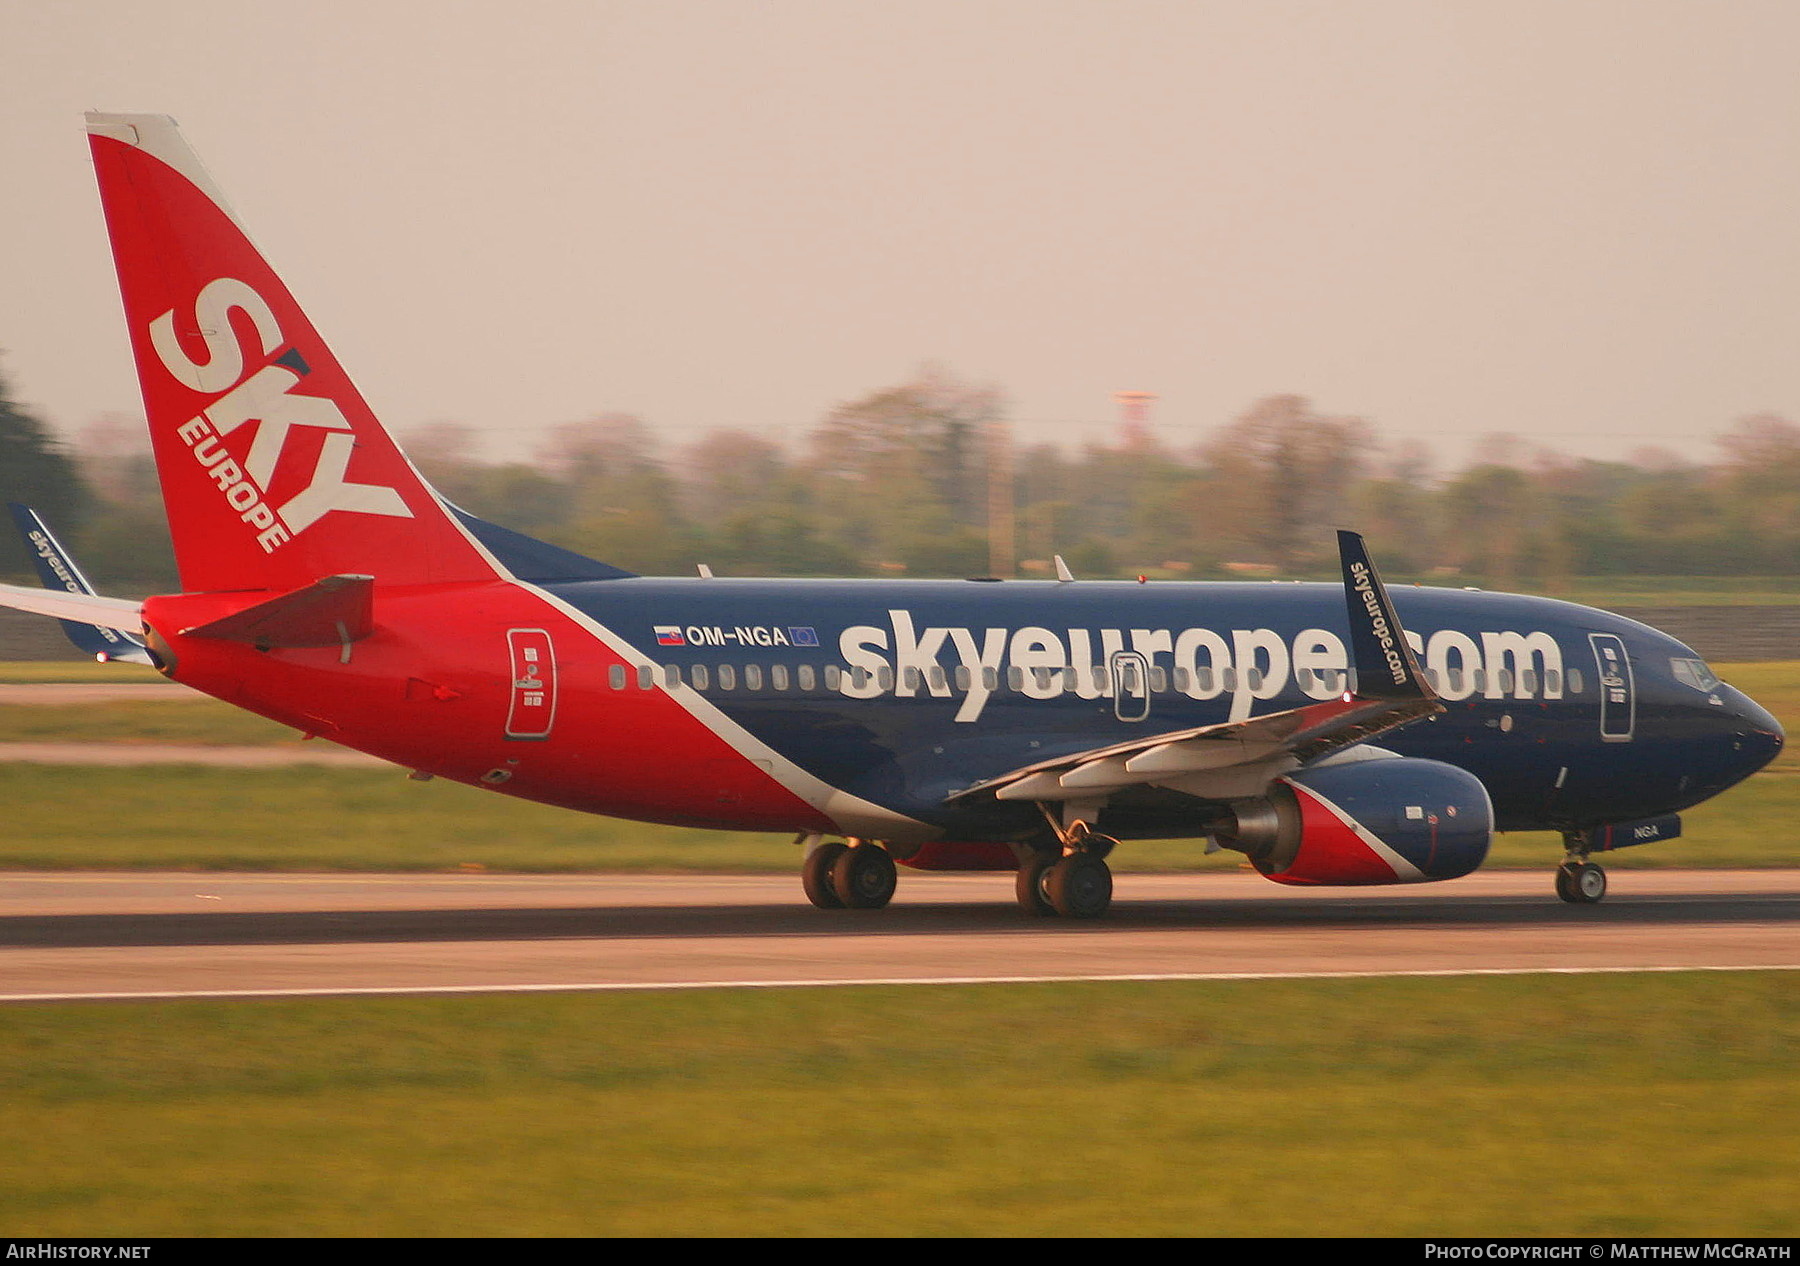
1097, 680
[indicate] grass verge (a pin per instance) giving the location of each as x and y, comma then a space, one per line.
1396, 1107
309, 818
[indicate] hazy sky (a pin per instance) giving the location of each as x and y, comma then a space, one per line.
1569, 219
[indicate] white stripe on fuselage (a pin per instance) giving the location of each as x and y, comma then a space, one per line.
853, 815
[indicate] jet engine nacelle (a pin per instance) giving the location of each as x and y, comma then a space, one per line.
1389, 821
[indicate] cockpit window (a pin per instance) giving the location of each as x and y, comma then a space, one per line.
1695, 673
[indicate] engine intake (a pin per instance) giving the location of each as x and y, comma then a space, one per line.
1394, 821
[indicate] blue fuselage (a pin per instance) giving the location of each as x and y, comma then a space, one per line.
904, 692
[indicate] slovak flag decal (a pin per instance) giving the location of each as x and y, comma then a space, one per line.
669, 635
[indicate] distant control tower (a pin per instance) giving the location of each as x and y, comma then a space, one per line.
1134, 417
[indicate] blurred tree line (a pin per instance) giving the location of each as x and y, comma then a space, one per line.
904, 480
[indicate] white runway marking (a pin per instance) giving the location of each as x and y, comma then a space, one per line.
652, 986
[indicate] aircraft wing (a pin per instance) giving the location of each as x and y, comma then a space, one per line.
108, 628
81, 608
1234, 759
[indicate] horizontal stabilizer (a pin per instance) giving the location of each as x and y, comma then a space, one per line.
328, 612
80, 608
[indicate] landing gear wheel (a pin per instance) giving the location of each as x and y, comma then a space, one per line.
815, 875
1079, 886
1580, 883
864, 878
1029, 887
1590, 884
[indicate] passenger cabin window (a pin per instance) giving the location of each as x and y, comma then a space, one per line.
833, 676
778, 677
1574, 680
698, 675
753, 677
616, 675
935, 677
804, 676
646, 677
1552, 681
671, 675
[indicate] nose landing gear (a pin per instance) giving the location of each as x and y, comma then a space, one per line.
1579, 881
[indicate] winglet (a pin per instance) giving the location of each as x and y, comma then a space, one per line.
1384, 663
57, 571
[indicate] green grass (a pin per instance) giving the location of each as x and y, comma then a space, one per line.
186, 720
309, 818
1599, 1106
26, 671
312, 818
1673, 591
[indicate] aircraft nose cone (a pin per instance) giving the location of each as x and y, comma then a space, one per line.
1756, 728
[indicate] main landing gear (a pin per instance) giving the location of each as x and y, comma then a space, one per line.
1579, 881
858, 875
1075, 883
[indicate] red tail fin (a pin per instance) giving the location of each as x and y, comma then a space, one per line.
274, 470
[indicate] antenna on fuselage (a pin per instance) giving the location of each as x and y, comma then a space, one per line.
705, 571
1063, 574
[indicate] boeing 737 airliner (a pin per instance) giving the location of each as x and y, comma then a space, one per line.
1333, 733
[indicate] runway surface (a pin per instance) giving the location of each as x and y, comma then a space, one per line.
122, 935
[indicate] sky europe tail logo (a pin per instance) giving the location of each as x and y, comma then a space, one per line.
264, 400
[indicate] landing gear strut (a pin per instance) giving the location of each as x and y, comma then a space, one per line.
1579, 881
1075, 883
858, 875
